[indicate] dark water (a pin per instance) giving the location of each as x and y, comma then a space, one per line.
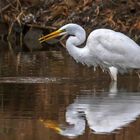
47, 96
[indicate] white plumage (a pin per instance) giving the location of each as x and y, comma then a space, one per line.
105, 48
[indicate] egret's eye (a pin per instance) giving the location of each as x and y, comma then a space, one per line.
63, 30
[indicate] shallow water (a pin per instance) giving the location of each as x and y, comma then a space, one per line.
48, 96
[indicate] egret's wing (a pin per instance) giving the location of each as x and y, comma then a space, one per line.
112, 48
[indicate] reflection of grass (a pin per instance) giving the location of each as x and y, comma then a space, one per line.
51, 124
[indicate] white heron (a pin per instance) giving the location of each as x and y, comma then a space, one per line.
109, 49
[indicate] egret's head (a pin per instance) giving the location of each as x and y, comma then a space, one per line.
69, 29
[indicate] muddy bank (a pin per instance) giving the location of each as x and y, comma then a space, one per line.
26, 20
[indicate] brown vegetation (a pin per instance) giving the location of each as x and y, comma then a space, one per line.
121, 15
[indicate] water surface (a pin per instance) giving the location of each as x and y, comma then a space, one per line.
48, 96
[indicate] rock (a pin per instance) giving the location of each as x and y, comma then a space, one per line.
31, 39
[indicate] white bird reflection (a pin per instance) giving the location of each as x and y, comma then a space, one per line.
102, 112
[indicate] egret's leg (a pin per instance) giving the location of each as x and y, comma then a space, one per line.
113, 89
113, 73
138, 73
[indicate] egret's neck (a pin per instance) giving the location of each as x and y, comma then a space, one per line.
76, 122
72, 43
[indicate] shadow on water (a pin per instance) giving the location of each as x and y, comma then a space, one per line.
46, 95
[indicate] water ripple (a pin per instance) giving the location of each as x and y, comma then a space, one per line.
29, 80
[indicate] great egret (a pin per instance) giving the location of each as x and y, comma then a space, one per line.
109, 49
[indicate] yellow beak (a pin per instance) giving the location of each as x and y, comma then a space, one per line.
51, 124
50, 36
